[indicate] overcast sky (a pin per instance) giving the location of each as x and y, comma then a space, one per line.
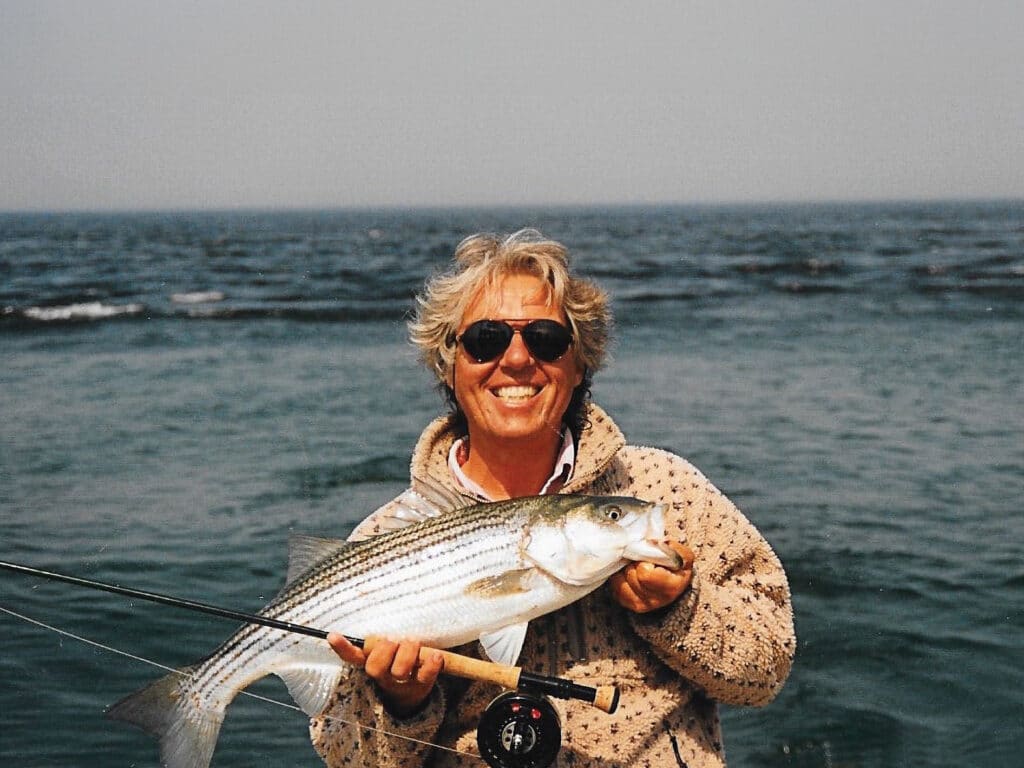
142, 104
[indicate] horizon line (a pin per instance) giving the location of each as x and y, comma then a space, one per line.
469, 207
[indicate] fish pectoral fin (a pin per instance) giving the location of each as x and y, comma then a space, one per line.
312, 685
513, 582
306, 551
504, 645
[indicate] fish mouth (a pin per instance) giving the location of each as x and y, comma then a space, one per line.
516, 393
652, 551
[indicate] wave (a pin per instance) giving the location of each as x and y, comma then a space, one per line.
197, 297
80, 312
303, 314
197, 308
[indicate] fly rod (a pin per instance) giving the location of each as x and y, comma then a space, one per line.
604, 697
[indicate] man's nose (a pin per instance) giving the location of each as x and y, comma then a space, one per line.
517, 354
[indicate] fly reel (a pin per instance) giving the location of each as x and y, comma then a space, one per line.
519, 730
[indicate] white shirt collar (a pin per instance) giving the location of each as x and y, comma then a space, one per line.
564, 465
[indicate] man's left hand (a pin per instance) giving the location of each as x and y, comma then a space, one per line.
644, 587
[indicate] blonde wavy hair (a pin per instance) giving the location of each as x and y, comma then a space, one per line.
480, 262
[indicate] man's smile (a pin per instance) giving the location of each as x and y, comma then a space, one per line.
517, 393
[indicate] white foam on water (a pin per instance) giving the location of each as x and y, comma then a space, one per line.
92, 310
197, 297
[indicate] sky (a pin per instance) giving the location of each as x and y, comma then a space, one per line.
146, 104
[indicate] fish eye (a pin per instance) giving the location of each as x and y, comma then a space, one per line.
613, 513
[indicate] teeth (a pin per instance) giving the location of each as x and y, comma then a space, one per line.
516, 393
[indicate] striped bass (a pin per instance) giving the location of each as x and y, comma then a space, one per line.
443, 578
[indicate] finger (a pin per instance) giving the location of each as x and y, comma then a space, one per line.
618, 580
668, 584
349, 653
664, 579
380, 659
657, 593
430, 668
623, 592
655, 586
405, 661
620, 587
637, 574
665, 586
684, 552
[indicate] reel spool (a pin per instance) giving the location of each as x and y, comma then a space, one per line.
519, 730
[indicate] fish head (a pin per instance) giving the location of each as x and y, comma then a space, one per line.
585, 539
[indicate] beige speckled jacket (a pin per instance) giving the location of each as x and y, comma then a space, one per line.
728, 639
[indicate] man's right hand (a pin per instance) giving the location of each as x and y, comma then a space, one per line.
405, 681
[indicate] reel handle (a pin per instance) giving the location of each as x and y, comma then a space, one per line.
604, 697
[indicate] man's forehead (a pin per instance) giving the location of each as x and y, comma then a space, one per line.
509, 292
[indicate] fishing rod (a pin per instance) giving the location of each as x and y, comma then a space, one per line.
605, 697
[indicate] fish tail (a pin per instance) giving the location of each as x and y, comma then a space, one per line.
168, 710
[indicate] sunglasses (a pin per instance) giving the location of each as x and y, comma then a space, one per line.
486, 340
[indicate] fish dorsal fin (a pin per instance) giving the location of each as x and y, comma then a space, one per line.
424, 500
306, 551
504, 645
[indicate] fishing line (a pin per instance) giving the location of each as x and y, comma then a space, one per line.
86, 640
258, 697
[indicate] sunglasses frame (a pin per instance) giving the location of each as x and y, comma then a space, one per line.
524, 332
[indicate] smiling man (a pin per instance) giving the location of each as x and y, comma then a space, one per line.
514, 338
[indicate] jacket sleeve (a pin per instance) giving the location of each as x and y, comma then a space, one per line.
355, 729
731, 633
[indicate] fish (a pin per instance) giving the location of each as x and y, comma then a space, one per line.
444, 573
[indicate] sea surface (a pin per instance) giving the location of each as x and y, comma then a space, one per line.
180, 391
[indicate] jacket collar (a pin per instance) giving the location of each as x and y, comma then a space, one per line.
600, 441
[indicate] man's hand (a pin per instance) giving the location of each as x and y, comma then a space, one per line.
404, 679
643, 587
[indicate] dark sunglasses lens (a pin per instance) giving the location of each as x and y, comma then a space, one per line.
546, 339
484, 340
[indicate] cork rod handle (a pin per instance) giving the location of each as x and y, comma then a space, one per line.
605, 697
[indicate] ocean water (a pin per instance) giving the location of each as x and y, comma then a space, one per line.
180, 391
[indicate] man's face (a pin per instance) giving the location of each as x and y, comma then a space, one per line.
514, 396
